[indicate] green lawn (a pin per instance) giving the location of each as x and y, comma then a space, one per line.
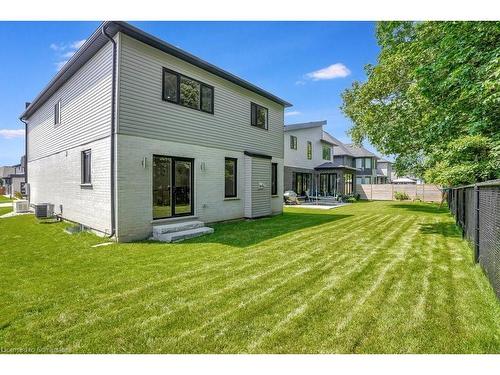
379, 277
3, 211
4, 199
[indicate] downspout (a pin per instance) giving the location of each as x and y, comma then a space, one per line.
113, 130
26, 156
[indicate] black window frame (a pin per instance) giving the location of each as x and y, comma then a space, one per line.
57, 113
253, 118
84, 160
274, 178
293, 142
178, 97
235, 179
326, 147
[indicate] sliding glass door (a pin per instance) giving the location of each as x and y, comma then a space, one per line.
172, 186
328, 184
303, 183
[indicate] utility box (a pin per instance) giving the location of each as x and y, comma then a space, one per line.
21, 206
44, 210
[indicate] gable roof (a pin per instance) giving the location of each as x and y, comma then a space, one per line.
359, 152
341, 148
97, 40
327, 138
304, 125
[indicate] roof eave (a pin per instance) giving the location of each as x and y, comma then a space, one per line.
83, 55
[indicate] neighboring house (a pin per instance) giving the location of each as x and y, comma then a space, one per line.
133, 132
384, 171
310, 167
365, 163
13, 177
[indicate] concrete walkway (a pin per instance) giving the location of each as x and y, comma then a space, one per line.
8, 204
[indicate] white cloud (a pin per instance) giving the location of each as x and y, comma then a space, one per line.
11, 133
57, 46
77, 43
300, 82
60, 64
292, 113
65, 51
68, 55
337, 70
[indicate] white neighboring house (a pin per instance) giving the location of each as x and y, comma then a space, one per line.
311, 168
13, 178
384, 171
133, 133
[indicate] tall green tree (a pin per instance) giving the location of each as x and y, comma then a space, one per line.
432, 99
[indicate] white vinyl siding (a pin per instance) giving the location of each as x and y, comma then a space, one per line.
85, 110
144, 113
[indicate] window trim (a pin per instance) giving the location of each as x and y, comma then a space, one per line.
293, 145
178, 98
257, 106
274, 177
83, 154
235, 178
57, 113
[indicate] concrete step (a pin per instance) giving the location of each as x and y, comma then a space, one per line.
183, 235
176, 227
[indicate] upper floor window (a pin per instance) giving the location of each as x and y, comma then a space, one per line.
293, 142
57, 113
86, 167
327, 152
187, 92
368, 163
259, 116
309, 150
359, 163
274, 179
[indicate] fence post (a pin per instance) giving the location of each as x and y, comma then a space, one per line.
392, 192
476, 234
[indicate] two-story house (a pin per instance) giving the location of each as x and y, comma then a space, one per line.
13, 178
311, 165
133, 134
365, 163
384, 171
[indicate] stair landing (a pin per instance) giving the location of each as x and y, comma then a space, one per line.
179, 231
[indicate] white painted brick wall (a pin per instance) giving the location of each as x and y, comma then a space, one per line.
134, 183
56, 179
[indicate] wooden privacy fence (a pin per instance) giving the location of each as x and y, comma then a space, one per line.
2, 190
385, 192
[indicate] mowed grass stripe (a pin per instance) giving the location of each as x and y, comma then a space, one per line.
189, 282
361, 260
201, 294
306, 282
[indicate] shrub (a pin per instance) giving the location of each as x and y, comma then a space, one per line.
401, 196
18, 195
351, 199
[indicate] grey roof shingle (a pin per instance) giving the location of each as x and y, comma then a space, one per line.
359, 152
304, 125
